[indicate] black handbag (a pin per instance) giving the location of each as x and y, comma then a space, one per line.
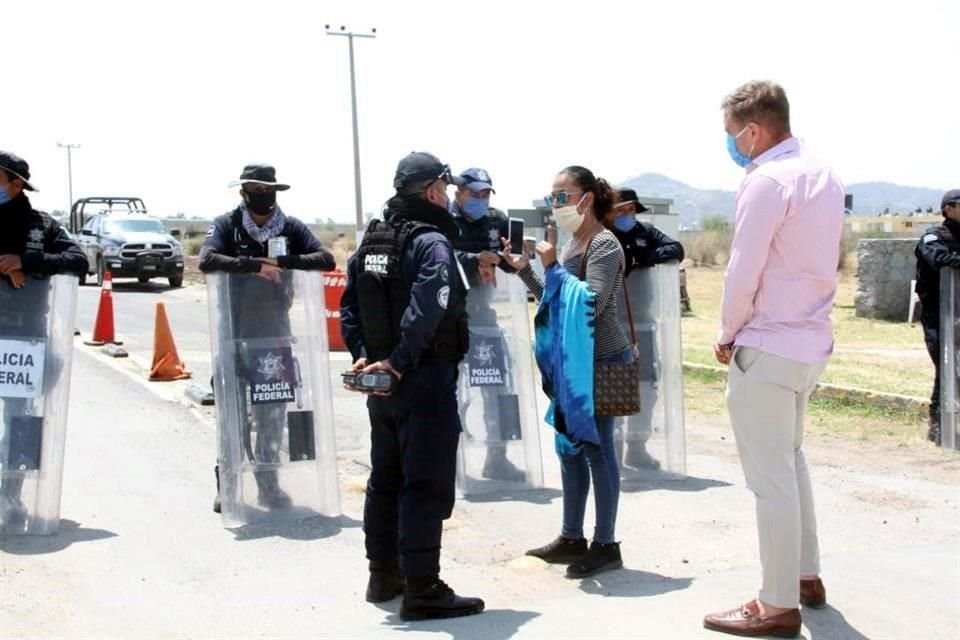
616, 385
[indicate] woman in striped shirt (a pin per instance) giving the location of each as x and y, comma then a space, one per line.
580, 201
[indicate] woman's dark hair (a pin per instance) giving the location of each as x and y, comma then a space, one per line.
603, 196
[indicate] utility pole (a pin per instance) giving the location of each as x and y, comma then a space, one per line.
353, 103
69, 148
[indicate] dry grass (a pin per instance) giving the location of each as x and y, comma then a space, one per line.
704, 395
882, 356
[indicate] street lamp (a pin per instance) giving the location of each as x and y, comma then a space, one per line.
69, 148
353, 103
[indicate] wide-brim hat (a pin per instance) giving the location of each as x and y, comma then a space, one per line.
260, 174
17, 167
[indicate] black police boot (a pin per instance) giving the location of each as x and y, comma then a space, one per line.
216, 500
13, 513
600, 557
385, 582
933, 424
497, 467
270, 495
430, 598
638, 457
560, 551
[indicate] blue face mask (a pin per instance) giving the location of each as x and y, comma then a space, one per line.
624, 223
4, 198
475, 208
741, 159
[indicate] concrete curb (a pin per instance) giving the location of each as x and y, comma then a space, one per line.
878, 399
200, 395
114, 350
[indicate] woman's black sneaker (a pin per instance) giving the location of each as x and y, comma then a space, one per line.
562, 550
600, 557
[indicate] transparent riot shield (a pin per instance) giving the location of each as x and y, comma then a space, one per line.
655, 438
500, 445
950, 358
277, 450
36, 350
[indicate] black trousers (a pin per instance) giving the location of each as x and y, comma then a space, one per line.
414, 436
931, 336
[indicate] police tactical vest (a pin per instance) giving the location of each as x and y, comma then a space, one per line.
480, 235
928, 278
383, 295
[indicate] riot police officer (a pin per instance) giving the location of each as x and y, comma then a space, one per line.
644, 246
939, 247
32, 245
403, 312
239, 242
481, 229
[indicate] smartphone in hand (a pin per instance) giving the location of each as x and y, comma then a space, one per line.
516, 237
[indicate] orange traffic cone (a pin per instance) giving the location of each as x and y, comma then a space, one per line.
103, 326
166, 363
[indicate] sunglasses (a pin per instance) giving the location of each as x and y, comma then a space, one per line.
558, 199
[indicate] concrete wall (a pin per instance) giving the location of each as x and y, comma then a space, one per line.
885, 269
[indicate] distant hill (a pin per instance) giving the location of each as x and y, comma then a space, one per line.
693, 204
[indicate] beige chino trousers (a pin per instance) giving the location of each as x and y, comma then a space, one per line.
767, 397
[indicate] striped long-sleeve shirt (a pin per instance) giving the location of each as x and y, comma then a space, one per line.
604, 277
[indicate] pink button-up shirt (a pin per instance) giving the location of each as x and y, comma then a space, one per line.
782, 276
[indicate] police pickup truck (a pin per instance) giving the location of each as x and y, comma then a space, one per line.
125, 241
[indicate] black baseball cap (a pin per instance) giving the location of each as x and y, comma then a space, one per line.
260, 174
629, 195
420, 166
17, 167
950, 197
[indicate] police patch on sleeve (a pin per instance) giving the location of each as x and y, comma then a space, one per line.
210, 231
930, 237
443, 296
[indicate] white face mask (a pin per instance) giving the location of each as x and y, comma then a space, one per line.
568, 218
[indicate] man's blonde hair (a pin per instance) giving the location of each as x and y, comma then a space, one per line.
760, 101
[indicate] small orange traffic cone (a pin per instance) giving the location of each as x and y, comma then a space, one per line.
103, 326
166, 363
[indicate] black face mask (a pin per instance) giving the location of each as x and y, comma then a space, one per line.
261, 203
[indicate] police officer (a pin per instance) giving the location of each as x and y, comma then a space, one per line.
403, 312
938, 248
644, 246
32, 245
478, 245
239, 242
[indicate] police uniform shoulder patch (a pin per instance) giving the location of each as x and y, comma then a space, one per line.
210, 231
930, 237
36, 235
443, 296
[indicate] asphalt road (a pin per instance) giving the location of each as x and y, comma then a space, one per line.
141, 555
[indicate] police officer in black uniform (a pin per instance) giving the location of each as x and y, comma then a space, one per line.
644, 246
478, 245
32, 246
939, 248
238, 242
403, 312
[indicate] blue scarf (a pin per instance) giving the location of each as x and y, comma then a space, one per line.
564, 327
272, 228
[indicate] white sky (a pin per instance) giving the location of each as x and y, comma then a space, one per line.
170, 99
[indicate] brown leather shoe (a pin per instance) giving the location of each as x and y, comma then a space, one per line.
813, 594
747, 621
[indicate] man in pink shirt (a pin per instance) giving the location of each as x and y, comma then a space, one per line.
776, 336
